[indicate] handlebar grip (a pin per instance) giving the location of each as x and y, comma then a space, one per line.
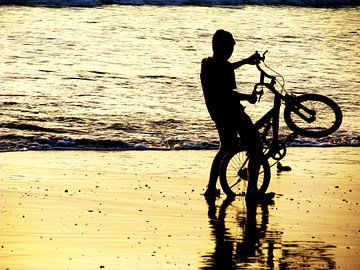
263, 57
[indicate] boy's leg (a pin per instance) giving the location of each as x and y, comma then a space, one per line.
256, 158
214, 172
227, 135
251, 138
253, 173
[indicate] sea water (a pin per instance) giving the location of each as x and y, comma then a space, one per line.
89, 75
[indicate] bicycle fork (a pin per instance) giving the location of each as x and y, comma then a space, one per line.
303, 112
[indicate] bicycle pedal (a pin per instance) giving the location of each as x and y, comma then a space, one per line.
281, 168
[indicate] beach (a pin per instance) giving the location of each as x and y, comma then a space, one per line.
145, 210
106, 143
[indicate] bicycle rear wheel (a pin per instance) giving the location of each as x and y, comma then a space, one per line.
234, 173
313, 115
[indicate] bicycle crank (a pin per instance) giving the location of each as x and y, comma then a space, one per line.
278, 151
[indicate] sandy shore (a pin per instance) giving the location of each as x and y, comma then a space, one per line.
144, 210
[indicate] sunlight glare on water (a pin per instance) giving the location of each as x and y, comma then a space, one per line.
131, 73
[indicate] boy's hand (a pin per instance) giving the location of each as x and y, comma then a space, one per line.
252, 98
253, 59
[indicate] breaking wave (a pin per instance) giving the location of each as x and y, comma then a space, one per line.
24, 143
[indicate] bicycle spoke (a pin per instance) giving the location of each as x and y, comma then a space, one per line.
237, 182
324, 117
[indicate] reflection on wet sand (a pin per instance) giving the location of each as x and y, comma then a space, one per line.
244, 239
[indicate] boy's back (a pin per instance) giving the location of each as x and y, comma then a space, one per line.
218, 82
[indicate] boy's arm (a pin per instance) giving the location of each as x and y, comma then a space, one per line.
238, 64
250, 98
251, 60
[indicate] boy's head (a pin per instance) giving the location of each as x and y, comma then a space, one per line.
223, 44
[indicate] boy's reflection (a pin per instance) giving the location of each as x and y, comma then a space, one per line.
230, 251
244, 240
222, 258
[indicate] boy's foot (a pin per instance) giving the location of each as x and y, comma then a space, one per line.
212, 193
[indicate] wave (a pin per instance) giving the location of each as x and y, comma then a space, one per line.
23, 143
29, 127
96, 3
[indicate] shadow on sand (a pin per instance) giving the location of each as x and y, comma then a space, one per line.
244, 239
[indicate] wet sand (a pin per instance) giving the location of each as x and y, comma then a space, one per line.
144, 210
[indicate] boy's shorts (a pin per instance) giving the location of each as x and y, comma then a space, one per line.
230, 130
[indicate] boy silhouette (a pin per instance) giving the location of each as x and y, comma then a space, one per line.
223, 103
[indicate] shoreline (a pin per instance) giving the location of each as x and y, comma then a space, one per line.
160, 149
144, 210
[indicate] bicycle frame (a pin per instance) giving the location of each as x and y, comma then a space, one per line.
272, 117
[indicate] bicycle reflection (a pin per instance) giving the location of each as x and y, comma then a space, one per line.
245, 240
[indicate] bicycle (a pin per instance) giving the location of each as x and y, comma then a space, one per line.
308, 115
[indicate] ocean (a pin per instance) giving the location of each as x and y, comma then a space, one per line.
113, 75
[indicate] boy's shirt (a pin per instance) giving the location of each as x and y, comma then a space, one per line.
218, 82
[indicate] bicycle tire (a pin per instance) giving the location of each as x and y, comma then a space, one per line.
326, 118
233, 173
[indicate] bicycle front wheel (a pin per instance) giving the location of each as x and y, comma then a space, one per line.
312, 115
234, 173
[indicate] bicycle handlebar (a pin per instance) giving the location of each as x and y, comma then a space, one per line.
263, 74
263, 56
262, 59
